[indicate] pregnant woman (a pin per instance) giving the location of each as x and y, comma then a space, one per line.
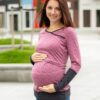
57, 42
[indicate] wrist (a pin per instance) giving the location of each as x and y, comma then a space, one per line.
56, 87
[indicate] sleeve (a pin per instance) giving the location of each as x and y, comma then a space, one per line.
74, 54
31, 61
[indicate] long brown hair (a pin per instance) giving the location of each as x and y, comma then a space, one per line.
65, 19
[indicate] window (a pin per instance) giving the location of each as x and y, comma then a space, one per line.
98, 18
27, 19
16, 22
1, 20
86, 18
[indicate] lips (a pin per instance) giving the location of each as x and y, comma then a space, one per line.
53, 17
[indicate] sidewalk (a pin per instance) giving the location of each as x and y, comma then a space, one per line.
16, 91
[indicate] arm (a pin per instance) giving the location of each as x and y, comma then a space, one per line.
74, 54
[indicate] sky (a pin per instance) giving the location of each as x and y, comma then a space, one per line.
26, 2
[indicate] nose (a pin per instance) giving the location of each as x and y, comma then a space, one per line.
53, 11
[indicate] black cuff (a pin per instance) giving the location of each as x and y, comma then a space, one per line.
66, 79
32, 62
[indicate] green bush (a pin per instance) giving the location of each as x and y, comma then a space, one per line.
9, 41
16, 55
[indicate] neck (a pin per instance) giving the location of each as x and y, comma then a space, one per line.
55, 25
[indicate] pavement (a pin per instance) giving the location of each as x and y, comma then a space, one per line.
16, 91
85, 86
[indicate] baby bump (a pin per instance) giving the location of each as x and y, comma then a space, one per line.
46, 73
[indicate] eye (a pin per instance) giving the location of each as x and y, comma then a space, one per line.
57, 8
49, 7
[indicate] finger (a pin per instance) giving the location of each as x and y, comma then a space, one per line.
44, 55
40, 88
45, 89
40, 58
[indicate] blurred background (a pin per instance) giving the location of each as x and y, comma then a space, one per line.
19, 31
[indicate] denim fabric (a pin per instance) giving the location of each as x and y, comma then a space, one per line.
52, 96
68, 98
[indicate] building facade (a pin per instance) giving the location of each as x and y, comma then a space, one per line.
89, 15
16, 15
5, 13
27, 14
2, 15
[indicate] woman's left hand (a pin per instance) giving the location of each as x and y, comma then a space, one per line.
48, 88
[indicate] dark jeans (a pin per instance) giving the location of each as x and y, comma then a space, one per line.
52, 96
68, 98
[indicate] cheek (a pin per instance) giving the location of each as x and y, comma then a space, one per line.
59, 16
47, 12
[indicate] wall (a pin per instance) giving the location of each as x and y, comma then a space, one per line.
15, 73
91, 5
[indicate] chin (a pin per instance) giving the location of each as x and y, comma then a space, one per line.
53, 21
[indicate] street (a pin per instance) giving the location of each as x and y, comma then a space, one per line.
85, 86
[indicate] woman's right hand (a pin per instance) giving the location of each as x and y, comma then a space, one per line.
36, 57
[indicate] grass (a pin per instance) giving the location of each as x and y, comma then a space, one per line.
9, 41
16, 55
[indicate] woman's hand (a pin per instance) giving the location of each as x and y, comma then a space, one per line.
48, 88
36, 57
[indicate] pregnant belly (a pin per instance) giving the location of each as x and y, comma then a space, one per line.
44, 73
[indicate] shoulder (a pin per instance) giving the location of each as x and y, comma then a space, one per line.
69, 32
69, 29
42, 30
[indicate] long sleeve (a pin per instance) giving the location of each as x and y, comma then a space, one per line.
70, 74
74, 54
32, 62
73, 50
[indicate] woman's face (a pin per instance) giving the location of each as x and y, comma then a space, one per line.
53, 11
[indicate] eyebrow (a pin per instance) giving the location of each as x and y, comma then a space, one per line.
51, 6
